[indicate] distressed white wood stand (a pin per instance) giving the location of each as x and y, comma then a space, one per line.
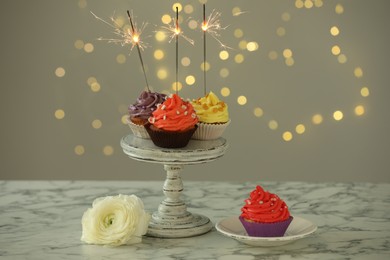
172, 220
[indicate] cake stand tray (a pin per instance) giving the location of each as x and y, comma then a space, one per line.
172, 220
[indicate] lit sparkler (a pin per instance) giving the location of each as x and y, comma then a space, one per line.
211, 25
171, 30
127, 36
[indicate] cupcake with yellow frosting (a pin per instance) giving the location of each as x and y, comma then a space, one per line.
213, 117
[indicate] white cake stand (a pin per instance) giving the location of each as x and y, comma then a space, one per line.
172, 220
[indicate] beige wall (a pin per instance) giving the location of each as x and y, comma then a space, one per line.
37, 37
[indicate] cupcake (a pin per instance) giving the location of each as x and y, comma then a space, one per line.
213, 117
265, 214
141, 110
173, 123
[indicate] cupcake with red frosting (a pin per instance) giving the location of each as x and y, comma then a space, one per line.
173, 123
141, 110
265, 214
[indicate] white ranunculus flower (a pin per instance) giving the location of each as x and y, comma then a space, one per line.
115, 220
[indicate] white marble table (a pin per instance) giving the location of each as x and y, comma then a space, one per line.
42, 220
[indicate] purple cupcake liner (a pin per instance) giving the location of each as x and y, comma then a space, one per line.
256, 229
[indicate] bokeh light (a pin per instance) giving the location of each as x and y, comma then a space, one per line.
239, 58
158, 54
252, 46
120, 58
59, 114
342, 58
281, 31
188, 9
108, 150
338, 115
79, 150
334, 31
79, 44
160, 36
339, 9
225, 91
185, 61
365, 92
358, 72
176, 87
190, 80
317, 119
287, 136
223, 55
224, 72
60, 72
178, 5
336, 50
359, 110
162, 73
88, 47
241, 100
238, 33
258, 112
96, 124
300, 129
205, 66
273, 124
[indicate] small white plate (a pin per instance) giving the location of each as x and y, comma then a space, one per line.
232, 227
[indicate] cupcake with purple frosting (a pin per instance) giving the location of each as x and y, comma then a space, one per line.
141, 110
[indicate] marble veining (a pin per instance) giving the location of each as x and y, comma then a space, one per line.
42, 220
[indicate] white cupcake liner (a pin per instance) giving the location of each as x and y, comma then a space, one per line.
138, 130
210, 131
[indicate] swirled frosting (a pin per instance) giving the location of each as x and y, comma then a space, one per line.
263, 206
145, 104
210, 109
174, 114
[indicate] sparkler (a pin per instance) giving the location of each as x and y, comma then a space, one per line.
211, 25
127, 36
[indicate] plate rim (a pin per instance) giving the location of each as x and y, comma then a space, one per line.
265, 239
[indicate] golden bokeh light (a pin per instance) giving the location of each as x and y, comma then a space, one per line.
339, 9
252, 46
108, 150
205, 66
224, 55
177, 86
97, 124
124, 119
158, 54
358, 72
287, 53
192, 24
88, 47
236, 11
82, 3
160, 36
299, 4
95, 87
287, 136
258, 112
308, 4
286, 17
281, 31
300, 129
318, 3
120, 58
225, 91
224, 72
342, 58
336, 50
242, 44
338, 115
166, 19
359, 110
272, 55
59, 114
162, 73
190, 80
365, 92
185, 61
178, 5
273, 124
238, 33
91, 80
317, 119
60, 72
289, 62
188, 9
79, 150
241, 100
334, 31
79, 44
239, 58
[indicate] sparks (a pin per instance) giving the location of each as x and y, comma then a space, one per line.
173, 30
126, 36
213, 27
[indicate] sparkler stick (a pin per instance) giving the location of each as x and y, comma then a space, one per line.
135, 37
177, 47
204, 27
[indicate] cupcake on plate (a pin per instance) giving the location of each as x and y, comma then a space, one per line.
141, 110
173, 123
213, 117
265, 214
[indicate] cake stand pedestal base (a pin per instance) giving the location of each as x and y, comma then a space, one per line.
172, 220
